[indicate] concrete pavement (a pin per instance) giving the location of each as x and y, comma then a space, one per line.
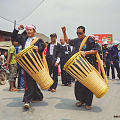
60, 105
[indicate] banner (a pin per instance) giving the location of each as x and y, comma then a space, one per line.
104, 37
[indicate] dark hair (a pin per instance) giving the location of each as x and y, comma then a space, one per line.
46, 42
13, 40
53, 35
81, 27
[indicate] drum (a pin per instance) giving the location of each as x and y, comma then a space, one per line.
32, 63
78, 67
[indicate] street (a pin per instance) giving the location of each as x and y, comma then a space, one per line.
60, 105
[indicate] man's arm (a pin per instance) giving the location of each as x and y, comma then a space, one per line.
90, 52
65, 35
3, 60
9, 59
15, 35
93, 47
39, 46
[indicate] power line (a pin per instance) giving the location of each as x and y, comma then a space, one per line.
6, 19
31, 11
25, 16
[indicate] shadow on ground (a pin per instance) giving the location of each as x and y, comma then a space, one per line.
17, 102
69, 104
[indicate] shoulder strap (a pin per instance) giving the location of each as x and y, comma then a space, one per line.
34, 41
83, 42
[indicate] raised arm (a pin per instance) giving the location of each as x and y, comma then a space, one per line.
65, 35
16, 36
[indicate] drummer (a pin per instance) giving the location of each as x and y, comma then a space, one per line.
82, 94
32, 92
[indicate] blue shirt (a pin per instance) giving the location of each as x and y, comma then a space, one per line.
114, 54
106, 56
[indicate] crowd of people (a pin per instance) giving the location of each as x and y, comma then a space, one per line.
57, 53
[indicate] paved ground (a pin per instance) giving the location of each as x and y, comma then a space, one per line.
60, 105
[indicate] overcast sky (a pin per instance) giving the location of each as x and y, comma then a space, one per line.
98, 16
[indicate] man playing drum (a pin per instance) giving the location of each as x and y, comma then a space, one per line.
32, 92
82, 94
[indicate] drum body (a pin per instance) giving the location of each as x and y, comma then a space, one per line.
85, 73
32, 63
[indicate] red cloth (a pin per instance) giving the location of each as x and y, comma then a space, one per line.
45, 51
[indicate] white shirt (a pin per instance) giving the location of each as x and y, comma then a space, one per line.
51, 51
52, 48
29, 41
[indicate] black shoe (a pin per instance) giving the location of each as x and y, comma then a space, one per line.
49, 89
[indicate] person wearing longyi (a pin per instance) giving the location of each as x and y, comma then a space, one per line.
32, 92
82, 94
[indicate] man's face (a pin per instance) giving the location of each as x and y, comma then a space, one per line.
5, 54
30, 32
15, 43
80, 33
62, 41
53, 39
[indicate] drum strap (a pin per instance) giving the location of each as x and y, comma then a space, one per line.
83, 42
97, 56
43, 55
34, 41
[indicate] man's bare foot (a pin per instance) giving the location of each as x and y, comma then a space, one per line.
69, 85
79, 104
88, 107
53, 90
13, 90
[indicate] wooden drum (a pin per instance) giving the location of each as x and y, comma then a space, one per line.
78, 67
32, 63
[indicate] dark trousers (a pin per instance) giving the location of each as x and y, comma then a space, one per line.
107, 68
19, 75
113, 66
66, 78
53, 70
32, 92
83, 94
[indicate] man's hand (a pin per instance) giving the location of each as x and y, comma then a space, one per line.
36, 48
111, 62
21, 27
56, 64
83, 53
63, 29
7, 66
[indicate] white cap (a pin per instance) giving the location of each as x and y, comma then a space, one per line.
116, 42
105, 43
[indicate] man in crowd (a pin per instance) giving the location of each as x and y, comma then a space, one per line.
82, 94
106, 58
32, 92
115, 59
53, 60
65, 55
12, 66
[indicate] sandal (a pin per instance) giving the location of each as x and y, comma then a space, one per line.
88, 107
79, 104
